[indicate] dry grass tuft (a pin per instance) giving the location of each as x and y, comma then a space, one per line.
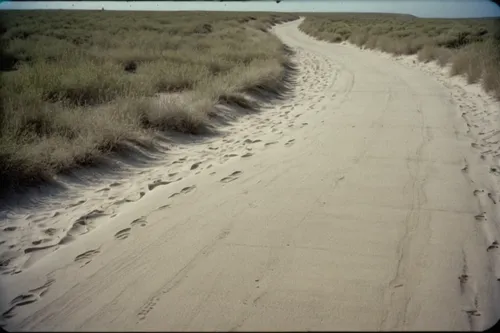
472, 46
77, 84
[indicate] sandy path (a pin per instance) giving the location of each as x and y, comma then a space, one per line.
356, 204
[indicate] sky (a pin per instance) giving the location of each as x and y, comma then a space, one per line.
420, 8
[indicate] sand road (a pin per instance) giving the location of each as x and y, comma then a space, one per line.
355, 204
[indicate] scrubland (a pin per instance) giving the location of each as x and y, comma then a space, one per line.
79, 84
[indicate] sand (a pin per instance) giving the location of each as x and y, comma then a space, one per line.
367, 200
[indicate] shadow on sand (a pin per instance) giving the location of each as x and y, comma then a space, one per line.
131, 157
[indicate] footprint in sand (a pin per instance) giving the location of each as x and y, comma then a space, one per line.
476, 192
141, 221
87, 256
289, 142
195, 166
123, 234
463, 279
270, 143
235, 175
41, 241
179, 161
31, 296
163, 207
248, 141
480, 217
38, 248
185, 190
157, 183
50, 231
85, 223
492, 198
246, 155
495, 170
188, 189
493, 246
132, 198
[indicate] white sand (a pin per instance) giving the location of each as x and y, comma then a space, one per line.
360, 204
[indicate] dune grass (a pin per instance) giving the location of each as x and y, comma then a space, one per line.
77, 84
471, 47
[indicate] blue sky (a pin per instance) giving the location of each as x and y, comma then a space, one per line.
421, 8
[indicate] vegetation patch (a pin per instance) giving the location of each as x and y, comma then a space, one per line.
77, 84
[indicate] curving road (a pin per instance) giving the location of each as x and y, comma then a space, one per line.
354, 212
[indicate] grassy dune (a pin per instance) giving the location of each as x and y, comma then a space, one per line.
470, 46
78, 84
